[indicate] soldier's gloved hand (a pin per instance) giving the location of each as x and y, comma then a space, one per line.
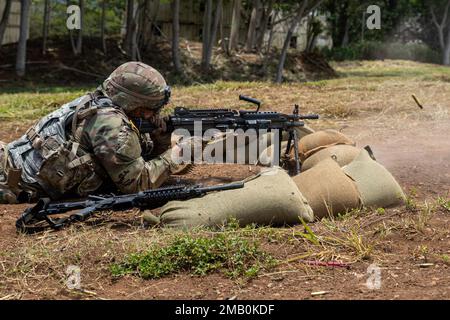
182, 155
160, 136
160, 124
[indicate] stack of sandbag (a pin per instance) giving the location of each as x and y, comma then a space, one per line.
312, 143
338, 177
343, 154
270, 198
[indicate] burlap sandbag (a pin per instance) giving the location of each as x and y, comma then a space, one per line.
245, 149
266, 158
328, 189
271, 198
312, 143
267, 155
377, 186
301, 132
342, 154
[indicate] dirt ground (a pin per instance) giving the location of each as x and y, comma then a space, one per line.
413, 258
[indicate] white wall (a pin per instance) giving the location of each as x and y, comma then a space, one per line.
12, 31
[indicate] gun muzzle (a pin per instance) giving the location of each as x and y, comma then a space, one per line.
310, 117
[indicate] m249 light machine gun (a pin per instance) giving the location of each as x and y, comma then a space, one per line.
229, 119
37, 218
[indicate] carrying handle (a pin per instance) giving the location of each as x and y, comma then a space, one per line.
251, 100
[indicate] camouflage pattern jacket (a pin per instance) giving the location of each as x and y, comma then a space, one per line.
85, 146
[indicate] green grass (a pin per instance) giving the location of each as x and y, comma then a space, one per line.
36, 103
228, 252
444, 203
393, 69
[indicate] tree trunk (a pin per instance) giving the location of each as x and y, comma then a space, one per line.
223, 42
45, 26
22, 45
135, 55
79, 46
72, 41
287, 40
148, 40
342, 24
176, 35
213, 33
103, 26
446, 51
4, 21
252, 26
127, 42
143, 24
267, 53
235, 24
207, 21
444, 43
263, 28
346, 38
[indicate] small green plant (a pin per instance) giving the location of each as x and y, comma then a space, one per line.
309, 235
422, 252
444, 203
361, 246
413, 192
410, 204
227, 251
425, 215
381, 211
356, 212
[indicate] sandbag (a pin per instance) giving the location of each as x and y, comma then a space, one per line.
377, 186
328, 190
245, 150
301, 132
266, 158
342, 154
272, 198
310, 144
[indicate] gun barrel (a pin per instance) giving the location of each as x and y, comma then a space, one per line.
310, 117
229, 186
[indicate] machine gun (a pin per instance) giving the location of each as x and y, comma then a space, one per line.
229, 119
33, 219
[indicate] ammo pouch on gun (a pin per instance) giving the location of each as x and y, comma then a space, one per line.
66, 166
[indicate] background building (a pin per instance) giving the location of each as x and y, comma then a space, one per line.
12, 30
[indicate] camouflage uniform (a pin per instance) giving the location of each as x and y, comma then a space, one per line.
89, 144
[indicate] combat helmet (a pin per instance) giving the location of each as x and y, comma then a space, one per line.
135, 84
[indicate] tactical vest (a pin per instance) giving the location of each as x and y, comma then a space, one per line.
47, 157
